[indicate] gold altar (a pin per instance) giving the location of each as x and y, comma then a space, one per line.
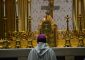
54, 38
16, 25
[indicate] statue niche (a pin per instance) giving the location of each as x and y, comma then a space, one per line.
48, 27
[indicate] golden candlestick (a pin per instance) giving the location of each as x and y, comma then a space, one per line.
5, 40
17, 35
81, 42
80, 27
30, 45
81, 35
29, 24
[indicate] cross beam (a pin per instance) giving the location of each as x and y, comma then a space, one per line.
50, 7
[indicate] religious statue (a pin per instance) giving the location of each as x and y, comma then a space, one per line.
48, 27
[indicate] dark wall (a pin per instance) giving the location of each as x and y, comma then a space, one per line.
79, 57
60, 57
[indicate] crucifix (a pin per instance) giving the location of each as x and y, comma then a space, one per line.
67, 35
50, 7
67, 17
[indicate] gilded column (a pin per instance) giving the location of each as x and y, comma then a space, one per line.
22, 15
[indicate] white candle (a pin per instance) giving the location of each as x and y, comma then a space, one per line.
16, 8
4, 8
79, 7
16, 15
29, 8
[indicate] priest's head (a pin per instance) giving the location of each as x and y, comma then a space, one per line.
41, 38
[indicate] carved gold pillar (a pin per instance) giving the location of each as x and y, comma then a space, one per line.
78, 9
22, 15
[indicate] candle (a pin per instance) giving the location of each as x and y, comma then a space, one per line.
4, 8
79, 7
16, 26
29, 8
16, 8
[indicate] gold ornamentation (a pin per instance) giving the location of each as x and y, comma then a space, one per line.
48, 27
